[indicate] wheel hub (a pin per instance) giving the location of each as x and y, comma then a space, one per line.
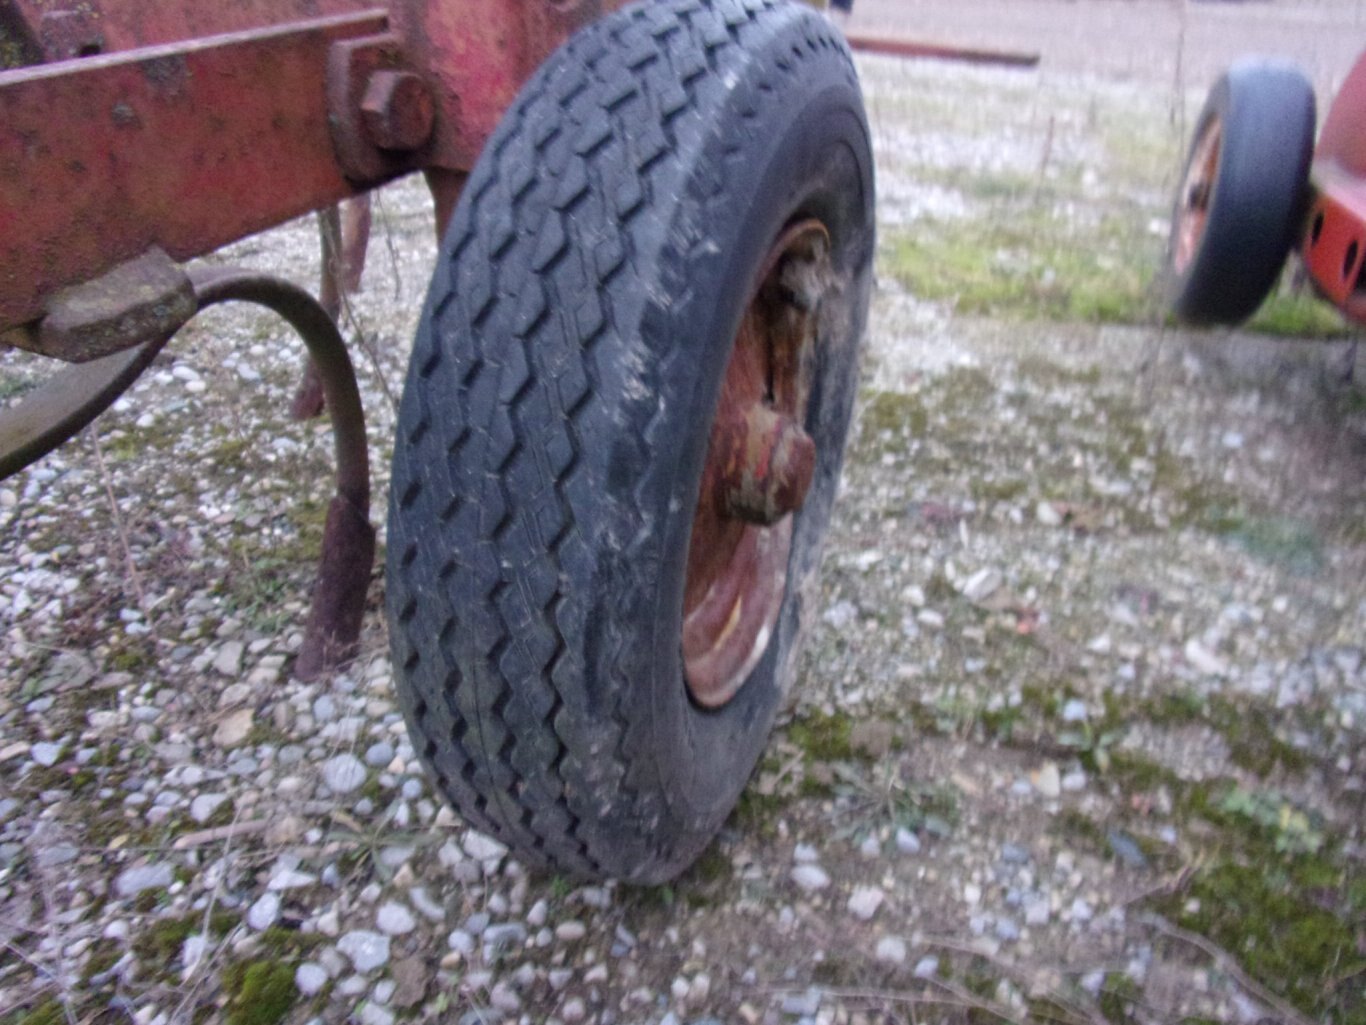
760, 464
1197, 189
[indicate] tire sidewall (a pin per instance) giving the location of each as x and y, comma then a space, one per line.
816, 164
1257, 201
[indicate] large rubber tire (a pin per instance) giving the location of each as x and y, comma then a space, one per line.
1243, 193
555, 423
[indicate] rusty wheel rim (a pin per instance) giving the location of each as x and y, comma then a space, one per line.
760, 462
1197, 190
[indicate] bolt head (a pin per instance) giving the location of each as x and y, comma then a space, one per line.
774, 472
397, 110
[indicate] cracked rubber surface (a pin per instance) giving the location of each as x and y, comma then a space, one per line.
555, 420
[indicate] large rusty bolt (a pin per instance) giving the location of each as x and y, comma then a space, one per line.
773, 471
398, 110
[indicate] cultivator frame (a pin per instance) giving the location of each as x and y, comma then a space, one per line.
135, 137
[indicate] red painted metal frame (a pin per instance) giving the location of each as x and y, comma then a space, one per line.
187, 145
1333, 244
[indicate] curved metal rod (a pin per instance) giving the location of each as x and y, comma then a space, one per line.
332, 634
213, 285
67, 402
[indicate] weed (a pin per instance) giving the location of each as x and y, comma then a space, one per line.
888, 797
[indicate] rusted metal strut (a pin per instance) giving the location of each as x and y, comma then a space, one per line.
333, 630
942, 51
74, 396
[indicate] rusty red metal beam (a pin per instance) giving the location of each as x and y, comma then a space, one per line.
62, 29
1333, 244
190, 145
941, 51
186, 147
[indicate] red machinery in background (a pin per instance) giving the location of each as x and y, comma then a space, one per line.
1257, 186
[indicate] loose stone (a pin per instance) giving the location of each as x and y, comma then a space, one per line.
367, 950
891, 950
265, 912
203, 806
310, 978
864, 902
810, 878
132, 881
395, 919
343, 773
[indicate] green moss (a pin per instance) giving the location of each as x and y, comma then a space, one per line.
1005, 490
288, 944
131, 655
1182, 708
259, 992
13, 387
1118, 996
1081, 829
888, 419
49, 1012
825, 738
711, 867
1251, 734
815, 788
1136, 774
159, 945
1298, 942
103, 956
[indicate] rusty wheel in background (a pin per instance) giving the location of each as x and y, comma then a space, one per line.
1242, 194
622, 430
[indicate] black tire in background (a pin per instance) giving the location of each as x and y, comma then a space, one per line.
1242, 195
555, 422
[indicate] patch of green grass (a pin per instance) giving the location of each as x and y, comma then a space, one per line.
1021, 259
158, 946
889, 419
259, 992
824, 738
1277, 541
1272, 888
1253, 742
1119, 995
1297, 940
49, 1012
1298, 315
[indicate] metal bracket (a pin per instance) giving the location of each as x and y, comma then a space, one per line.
382, 112
146, 297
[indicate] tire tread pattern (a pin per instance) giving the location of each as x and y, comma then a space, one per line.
520, 708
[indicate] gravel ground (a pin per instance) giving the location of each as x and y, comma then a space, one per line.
1077, 738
